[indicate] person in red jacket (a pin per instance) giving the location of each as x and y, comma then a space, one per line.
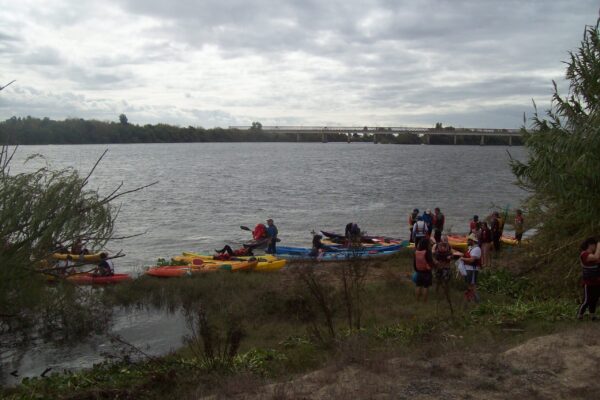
423, 263
589, 259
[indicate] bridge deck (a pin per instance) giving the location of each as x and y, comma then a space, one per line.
386, 130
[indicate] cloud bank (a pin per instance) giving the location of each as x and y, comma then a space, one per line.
473, 63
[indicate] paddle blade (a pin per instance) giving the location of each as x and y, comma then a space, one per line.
245, 228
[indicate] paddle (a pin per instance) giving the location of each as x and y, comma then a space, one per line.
245, 228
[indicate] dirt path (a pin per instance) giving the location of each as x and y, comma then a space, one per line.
559, 366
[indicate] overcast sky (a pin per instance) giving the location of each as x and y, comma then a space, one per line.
212, 63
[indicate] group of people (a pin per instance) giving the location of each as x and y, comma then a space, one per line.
67, 266
262, 235
434, 253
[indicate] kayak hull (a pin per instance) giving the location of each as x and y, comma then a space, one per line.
90, 279
171, 271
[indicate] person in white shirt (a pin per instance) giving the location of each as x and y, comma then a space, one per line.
472, 260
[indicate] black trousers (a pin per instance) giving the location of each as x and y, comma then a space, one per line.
590, 299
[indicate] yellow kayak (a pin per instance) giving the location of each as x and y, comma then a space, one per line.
265, 263
77, 257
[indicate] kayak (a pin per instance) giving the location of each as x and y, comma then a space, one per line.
509, 240
77, 257
303, 254
265, 263
91, 279
339, 238
183, 270
267, 257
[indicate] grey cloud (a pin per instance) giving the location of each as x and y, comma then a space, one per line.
46, 55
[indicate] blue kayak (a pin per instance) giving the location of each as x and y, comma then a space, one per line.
340, 253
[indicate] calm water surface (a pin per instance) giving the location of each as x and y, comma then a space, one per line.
205, 191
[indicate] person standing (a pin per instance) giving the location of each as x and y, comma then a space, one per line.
419, 230
485, 242
423, 262
474, 224
472, 260
412, 220
438, 220
428, 219
589, 259
442, 257
496, 229
272, 233
519, 226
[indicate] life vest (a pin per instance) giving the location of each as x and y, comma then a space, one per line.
240, 252
590, 271
438, 221
486, 235
421, 263
420, 228
475, 264
443, 251
259, 232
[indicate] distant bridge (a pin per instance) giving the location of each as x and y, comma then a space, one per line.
377, 131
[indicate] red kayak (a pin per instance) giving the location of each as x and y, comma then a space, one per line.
91, 279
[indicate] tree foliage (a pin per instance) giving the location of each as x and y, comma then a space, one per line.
563, 170
39, 210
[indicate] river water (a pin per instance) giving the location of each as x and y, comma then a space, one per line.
205, 191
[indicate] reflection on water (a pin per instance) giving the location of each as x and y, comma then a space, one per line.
154, 332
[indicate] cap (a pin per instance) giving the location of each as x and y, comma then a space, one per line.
476, 217
269, 219
416, 210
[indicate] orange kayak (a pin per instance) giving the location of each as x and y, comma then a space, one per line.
171, 271
91, 279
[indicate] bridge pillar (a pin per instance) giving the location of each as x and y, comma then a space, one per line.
375, 138
482, 140
349, 137
297, 137
510, 140
324, 137
455, 140
427, 139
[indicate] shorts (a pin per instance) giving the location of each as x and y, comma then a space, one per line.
471, 277
442, 275
424, 279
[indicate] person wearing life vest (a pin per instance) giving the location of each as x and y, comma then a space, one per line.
423, 264
412, 219
259, 232
472, 260
485, 242
227, 253
105, 267
589, 258
519, 226
419, 230
496, 228
442, 257
438, 220
474, 224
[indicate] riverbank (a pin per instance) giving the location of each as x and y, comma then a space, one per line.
281, 333
37, 131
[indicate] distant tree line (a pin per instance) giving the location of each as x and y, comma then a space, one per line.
31, 130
